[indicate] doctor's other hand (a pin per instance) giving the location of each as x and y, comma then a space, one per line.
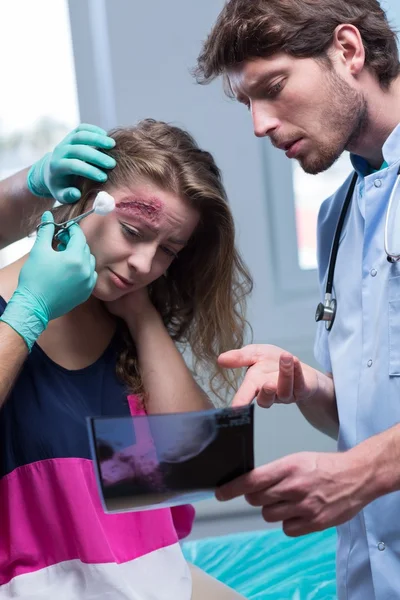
78, 154
50, 283
273, 376
308, 491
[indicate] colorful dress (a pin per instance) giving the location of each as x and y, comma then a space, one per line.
56, 542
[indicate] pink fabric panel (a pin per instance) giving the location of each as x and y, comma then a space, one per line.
183, 518
50, 512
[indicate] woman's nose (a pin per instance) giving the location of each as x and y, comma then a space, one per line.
141, 259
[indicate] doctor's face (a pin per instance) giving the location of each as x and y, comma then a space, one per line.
304, 107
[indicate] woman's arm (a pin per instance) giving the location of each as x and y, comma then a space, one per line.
169, 384
13, 353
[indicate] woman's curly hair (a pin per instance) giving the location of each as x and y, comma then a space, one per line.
202, 299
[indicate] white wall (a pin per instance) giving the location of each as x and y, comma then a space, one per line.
133, 60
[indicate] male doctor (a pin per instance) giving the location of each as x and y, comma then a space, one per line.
320, 77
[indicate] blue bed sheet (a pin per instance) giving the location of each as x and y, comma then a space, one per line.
268, 565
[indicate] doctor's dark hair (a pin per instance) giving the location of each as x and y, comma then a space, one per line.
202, 298
247, 29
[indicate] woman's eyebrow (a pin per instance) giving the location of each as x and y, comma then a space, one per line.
178, 242
151, 210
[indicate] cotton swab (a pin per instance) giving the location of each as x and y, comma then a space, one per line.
103, 204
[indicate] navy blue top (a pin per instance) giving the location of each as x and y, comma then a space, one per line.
45, 415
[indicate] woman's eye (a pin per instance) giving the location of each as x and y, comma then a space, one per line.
135, 234
169, 252
128, 231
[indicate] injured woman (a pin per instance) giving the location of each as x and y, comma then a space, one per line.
164, 277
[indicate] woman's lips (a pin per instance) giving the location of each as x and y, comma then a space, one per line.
120, 282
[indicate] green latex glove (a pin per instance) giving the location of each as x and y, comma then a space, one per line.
77, 155
50, 283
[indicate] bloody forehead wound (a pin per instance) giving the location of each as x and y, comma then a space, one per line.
151, 209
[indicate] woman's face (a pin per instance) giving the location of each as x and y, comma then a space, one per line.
135, 244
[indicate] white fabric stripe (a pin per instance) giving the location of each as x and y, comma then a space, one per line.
160, 575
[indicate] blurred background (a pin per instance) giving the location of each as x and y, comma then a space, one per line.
113, 62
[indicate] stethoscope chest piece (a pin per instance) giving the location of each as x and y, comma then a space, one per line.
326, 311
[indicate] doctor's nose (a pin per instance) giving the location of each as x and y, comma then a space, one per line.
264, 124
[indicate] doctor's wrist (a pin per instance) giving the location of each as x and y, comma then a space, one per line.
25, 316
322, 391
36, 180
380, 460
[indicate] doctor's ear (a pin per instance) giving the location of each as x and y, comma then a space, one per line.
348, 49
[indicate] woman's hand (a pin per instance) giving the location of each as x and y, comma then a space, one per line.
131, 306
169, 384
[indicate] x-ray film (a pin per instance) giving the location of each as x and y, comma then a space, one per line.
148, 462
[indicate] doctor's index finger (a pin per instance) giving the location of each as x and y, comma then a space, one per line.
246, 393
77, 239
243, 357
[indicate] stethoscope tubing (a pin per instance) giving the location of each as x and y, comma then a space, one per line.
326, 311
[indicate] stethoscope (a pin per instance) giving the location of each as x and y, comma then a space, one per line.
326, 311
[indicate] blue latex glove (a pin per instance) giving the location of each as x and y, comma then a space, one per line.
77, 154
50, 283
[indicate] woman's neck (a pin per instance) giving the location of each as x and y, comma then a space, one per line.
92, 314
80, 337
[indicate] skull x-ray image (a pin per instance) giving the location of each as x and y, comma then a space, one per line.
152, 461
180, 439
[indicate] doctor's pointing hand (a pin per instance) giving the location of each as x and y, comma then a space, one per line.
308, 491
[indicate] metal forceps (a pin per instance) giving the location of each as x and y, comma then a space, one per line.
63, 227
104, 203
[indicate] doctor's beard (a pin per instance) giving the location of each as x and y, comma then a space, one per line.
345, 117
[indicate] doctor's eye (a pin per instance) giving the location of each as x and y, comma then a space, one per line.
276, 89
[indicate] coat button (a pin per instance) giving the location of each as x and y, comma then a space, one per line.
378, 183
381, 546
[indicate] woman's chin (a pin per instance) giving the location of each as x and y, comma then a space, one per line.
105, 294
